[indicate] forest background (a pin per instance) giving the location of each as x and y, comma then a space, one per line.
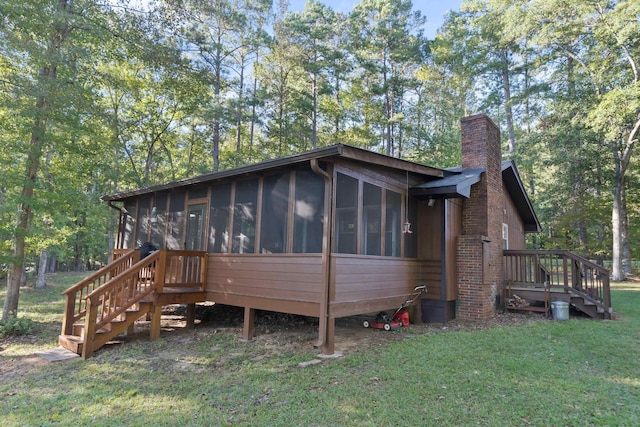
102, 97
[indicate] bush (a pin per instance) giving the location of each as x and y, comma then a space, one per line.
16, 326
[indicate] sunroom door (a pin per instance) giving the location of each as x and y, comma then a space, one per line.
194, 239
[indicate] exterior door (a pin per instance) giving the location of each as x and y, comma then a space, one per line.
194, 239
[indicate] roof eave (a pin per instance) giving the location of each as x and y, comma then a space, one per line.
453, 186
338, 150
518, 194
334, 150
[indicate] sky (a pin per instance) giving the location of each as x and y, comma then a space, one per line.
434, 10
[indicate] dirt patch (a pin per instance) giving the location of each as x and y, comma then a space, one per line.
274, 333
19, 365
279, 332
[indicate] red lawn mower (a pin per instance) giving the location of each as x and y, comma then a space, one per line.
401, 316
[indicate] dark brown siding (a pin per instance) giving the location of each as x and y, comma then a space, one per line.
368, 284
453, 213
513, 220
285, 283
429, 231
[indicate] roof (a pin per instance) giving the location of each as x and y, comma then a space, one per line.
513, 184
439, 183
459, 185
452, 186
333, 151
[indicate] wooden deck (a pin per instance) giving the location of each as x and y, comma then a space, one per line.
543, 276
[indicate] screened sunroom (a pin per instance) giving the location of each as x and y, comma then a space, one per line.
329, 233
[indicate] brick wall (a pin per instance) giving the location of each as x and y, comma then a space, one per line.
479, 247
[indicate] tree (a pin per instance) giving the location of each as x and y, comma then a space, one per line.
312, 32
609, 57
386, 38
446, 93
49, 57
213, 34
48, 40
280, 76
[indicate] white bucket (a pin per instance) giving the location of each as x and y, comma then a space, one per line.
560, 310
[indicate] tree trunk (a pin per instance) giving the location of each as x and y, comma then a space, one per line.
51, 265
624, 232
47, 76
337, 118
600, 230
239, 109
33, 163
617, 272
42, 269
217, 113
506, 88
583, 234
622, 158
314, 113
254, 117
387, 107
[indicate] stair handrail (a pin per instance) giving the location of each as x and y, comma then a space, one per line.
117, 296
588, 279
126, 289
601, 296
75, 296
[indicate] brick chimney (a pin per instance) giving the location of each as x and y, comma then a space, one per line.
479, 247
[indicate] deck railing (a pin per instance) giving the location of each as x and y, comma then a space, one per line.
184, 269
559, 269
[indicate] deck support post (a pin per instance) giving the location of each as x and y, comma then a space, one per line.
249, 323
328, 345
131, 329
156, 314
191, 315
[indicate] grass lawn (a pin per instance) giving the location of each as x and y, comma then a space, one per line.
546, 373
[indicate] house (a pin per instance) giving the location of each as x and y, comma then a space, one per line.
329, 233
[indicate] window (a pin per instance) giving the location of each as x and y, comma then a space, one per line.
199, 192
219, 218
275, 214
381, 212
393, 224
346, 214
194, 238
308, 212
244, 216
505, 236
144, 211
371, 219
175, 220
129, 224
158, 220
411, 240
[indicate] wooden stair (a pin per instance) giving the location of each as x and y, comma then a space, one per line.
123, 323
110, 301
540, 297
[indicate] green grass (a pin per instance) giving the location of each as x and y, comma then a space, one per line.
574, 373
